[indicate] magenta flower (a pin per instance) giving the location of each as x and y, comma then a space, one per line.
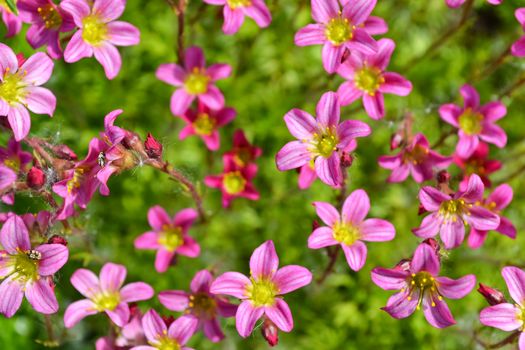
169, 236
47, 21
27, 270
14, 158
451, 213
235, 181
350, 228
194, 80
12, 22
105, 294
320, 140
505, 316
518, 48
243, 152
262, 293
415, 159
420, 284
161, 337
338, 30
478, 163
235, 11
205, 123
20, 89
458, 3
367, 79
495, 202
7, 178
475, 122
200, 303
99, 33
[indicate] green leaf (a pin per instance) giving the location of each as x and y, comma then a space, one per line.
12, 6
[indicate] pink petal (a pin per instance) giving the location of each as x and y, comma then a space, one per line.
154, 327
439, 315
77, 311
324, 10
518, 48
507, 228
493, 111
171, 73
174, 300
136, 291
148, 240
501, 196
429, 227
40, 100
358, 11
112, 277
86, 282
482, 219
123, 34
476, 238
14, 235
201, 282
351, 129
307, 176
389, 279
327, 212
190, 248
233, 20
119, 315
109, 57
212, 330
470, 96
425, 259
41, 296
395, 84
264, 261
400, 306
355, 255
356, 207
219, 71
291, 277
515, 279
456, 289
19, 121
375, 26
452, 232
431, 198
520, 16
54, 256
332, 56
494, 134
259, 13
185, 218
194, 58
246, 317
377, 230
213, 98
362, 42
280, 315
374, 105
8, 59
312, 34
385, 48
231, 283
348, 93
77, 49
109, 10
12, 295
300, 124
293, 155
501, 316
158, 218
329, 170
322, 237
163, 259
475, 189
450, 114
180, 102
183, 328
37, 69
78, 9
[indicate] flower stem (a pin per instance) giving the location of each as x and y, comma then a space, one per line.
333, 253
49, 329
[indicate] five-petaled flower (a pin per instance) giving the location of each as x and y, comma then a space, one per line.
200, 303
338, 30
194, 80
475, 122
320, 140
419, 284
350, 228
105, 294
243, 152
478, 163
20, 89
235, 10
262, 293
99, 33
367, 79
27, 270
451, 213
169, 236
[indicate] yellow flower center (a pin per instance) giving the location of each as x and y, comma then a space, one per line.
238, 3
94, 30
166, 343
25, 265
325, 143
202, 305
12, 88
106, 301
369, 79
204, 125
454, 208
475, 166
338, 31
426, 283
416, 156
234, 182
76, 181
346, 233
262, 292
470, 122
196, 82
50, 16
171, 237
13, 163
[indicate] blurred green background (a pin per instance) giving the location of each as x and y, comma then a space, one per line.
271, 76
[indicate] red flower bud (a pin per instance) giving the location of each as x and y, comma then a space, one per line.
64, 152
36, 178
443, 177
315, 225
493, 296
168, 320
21, 59
421, 210
56, 239
346, 160
403, 265
153, 147
270, 332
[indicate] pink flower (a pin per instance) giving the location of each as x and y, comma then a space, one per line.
235, 11
169, 236
350, 228
367, 79
243, 152
451, 213
201, 304
518, 49
235, 181
194, 80
509, 317
478, 163
475, 122
7, 177
132, 334
339, 30
458, 3
161, 337
420, 284
417, 159
105, 294
20, 88
12, 22
205, 123
262, 293
27, 270
320, 140
99, 33
14, 158
47, 21
495, 202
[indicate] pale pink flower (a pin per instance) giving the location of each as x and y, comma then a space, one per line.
235, 11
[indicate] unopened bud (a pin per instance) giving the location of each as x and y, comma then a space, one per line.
403, 265
395, 141
421, 210
434, 245
56, 239
64, 152
270, 332
21, 59
36, 178
153, 147
168, 320
443, 177
346, 160
493, 296
315, 225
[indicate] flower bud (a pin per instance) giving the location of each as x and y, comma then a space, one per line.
346, 160
36, 178
168, 320
443, 177
56, 239
403, 265
21, 59
153, 147
315, 225
421, 210
396, 140
493, 296
64, 152
270, 332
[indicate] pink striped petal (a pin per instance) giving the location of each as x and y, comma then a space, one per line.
395, 84
123, 34
389, 279
231, 283
355, 255
40, 100
332, 56
174, 300
264, 261
112, 277
246, 317
86, 282
356, 207
515, 279
233, 20
456, 289
358, 11
19, 121
300, 124
312, 34
400, 306
14, 235
293, 155
438, 315
54, 256
77, 311
324, 10
194, 58
327, 212
377, 230
37, 69
136, 291
280, 315
119, 315
374, 105
470, 96
41, 296
109, 10
154, 327
109, 57
501, 316
77, 49
259, 12
291, 277
322, 237
329, 170
425, 259
183, 328
12, 294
